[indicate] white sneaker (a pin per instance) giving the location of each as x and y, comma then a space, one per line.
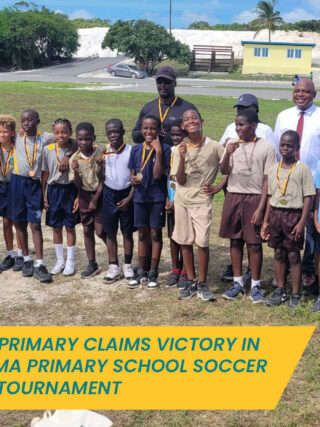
58, 267
69, 269
128, 271
113, 274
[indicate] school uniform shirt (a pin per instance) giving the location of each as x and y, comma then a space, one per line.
50, 164
249, 163
4, 159
201, 166
88, 169
21, 164
263, 131
300, 185
310, 141
150, 190
117, 172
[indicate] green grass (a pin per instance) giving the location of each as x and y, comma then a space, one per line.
29, 303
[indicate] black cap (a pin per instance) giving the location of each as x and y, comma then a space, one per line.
166, 72
246, 100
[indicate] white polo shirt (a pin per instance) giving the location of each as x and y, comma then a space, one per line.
117, 173
310, 141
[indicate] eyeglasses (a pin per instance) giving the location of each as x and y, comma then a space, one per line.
164, 80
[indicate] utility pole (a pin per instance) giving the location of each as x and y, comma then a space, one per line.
170, 14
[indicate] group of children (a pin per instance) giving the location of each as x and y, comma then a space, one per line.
139, 186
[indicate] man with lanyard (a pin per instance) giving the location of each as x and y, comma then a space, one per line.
168, 107
305, 119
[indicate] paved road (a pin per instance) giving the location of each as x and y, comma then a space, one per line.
86, 71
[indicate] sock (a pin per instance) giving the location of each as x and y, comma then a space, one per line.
27, 258
59, 252
70, 253
184, 272
11, 254
39, 262
255, 283
238, 280
176, 270
19, 252
127, 258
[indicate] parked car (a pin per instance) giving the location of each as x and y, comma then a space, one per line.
124, 70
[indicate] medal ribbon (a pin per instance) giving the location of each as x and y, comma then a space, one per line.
31, 162
162, 117
5, 171
144, 163
86, 160
284, 188
113, 152
241, 140
196, 145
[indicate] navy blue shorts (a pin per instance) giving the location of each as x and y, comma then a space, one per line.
150, 214
4, 199
112, 215
25, 200
61, 198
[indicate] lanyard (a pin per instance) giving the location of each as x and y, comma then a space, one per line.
196, 145
31, 162
5, 170
86, 160
107, 153
162, 117
284, 188
144, 162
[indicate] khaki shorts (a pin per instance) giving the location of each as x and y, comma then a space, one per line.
192, 225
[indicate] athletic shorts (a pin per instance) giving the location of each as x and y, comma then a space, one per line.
112, 215
88, 217
192, 225
149, 214
25, 200
281, 223
237, 213
4, 199
61, 198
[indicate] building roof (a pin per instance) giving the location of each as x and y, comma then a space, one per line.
279, 43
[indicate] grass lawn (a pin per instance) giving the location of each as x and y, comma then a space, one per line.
77, 302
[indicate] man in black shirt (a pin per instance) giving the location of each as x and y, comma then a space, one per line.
168, 107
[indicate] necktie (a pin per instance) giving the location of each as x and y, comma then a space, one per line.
299, 131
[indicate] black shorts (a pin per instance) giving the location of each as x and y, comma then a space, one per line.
112, 215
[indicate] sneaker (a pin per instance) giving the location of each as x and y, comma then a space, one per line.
113, 274
173, 280
278, 297
182, 281
227, 274
235, 291
18, 263
91, 270
153, 279
58, 268
27, 269
309, 285
204, 292
140, 278
189, 291
7, 263
316, 305
128, 271
69, 269
295, 300
256, 295
248, 276
42, 274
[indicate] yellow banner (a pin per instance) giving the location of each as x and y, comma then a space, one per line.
148, 367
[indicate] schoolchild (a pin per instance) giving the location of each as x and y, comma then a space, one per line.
60, 197
316, 305
148, 164
25, 199
7, 139
84, 174
290, 191
195, 165
246, 161
117, 205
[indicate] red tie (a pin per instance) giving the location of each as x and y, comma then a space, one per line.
299, 131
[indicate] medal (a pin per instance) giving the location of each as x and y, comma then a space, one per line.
139, 176
173, 185
283, 202
236, 144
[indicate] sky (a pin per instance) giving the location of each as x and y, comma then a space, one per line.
184, 12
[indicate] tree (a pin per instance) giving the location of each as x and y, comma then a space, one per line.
200, 25
267, 17
145, 42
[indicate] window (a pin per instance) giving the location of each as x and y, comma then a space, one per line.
261, 51
294, 53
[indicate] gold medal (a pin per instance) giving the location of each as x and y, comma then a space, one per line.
31, 173
283, 202
173, 185
139, 176
236, 144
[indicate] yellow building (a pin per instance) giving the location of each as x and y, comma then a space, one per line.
276, 57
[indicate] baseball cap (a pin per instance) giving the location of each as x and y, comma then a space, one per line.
166, 72
246, 100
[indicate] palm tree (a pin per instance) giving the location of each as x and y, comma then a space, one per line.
267, 17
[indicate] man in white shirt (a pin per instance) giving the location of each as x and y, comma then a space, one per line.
305, 119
